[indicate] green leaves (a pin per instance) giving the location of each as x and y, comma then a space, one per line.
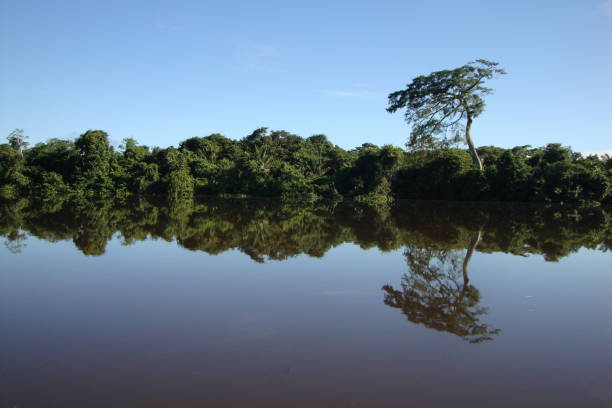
438, 105
283, 165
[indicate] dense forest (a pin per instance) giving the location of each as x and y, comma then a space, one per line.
281, 164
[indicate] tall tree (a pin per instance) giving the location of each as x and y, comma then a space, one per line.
17, 139
445, 102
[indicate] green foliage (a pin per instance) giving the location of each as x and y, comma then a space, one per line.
295, 169
371, 174
9, 192
13, 178
569, 182
443, 102
560, 175
50, 187
178, 180
137, 171
441, 177
58, 156
510, 178
489, 155
95, 161
95, 152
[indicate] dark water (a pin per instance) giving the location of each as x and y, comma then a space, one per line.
255, 304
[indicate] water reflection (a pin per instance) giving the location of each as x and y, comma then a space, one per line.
437, 293
90, 324
439, 240
269, 230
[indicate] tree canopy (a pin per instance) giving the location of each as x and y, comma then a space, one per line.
444, 102
280, 164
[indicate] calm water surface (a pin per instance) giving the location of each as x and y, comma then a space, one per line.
254, 304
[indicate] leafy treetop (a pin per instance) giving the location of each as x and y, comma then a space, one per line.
445, 101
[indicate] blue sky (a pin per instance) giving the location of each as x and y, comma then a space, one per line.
162, 71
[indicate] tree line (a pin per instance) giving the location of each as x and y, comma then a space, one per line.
281, 164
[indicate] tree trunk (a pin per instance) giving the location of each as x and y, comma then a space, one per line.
470, 143
468, 256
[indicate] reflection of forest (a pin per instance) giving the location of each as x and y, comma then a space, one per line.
438, 240
266, 229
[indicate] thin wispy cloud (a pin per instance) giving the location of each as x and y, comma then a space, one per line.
606, 7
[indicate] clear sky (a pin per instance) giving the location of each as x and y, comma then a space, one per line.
163, 71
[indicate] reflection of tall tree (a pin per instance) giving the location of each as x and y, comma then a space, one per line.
436, 293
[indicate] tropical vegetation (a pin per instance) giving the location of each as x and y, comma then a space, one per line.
281, 164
